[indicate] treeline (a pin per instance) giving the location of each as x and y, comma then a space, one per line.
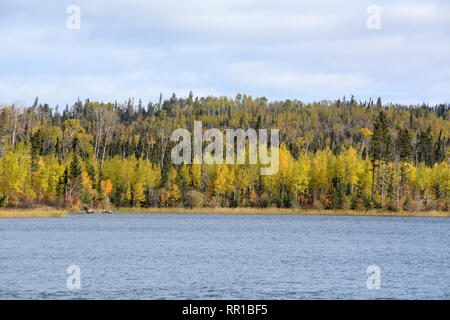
333, 154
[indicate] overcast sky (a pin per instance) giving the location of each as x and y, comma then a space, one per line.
280, 49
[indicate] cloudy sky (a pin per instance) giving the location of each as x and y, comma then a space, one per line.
296, 49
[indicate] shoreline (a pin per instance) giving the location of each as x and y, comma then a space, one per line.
51, 212
281, 211
34, 213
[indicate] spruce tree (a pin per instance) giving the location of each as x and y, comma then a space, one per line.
74, 169
380, 148
424, 147
36, 150
338, 193
74, 186
404, 147
439, 152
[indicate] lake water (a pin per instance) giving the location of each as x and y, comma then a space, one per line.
202, 256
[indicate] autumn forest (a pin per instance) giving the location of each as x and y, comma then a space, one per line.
342, 154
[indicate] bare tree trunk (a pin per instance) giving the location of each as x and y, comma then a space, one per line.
104, 147
103, 156
2, 147
14, 130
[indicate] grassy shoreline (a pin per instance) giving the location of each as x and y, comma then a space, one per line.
280, 211
52, 212
33, 213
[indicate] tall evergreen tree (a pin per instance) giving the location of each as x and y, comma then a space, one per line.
404, 147
424, 147
380, 147
36, 150
439, 152
74, 184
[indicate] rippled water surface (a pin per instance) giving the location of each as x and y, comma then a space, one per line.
224, 257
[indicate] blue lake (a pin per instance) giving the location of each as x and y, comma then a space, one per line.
162, 256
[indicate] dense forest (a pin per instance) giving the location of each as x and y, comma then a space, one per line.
342, 154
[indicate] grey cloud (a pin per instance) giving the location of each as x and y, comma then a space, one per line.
283, 49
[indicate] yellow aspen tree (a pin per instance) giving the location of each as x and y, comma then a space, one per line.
220, 181
301, 174
139, 195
